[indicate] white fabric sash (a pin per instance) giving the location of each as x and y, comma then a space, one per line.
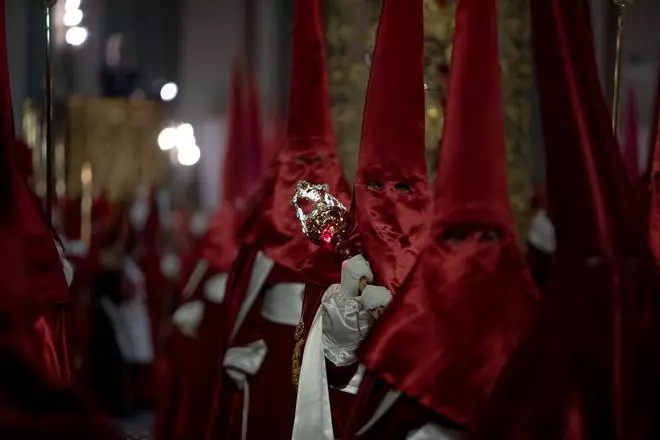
431, 431
354, 384
313, 418
382, 409
130, 322
282, 304
241, 362
215, 288
188, 317
66, 265
260, 270
195, 278
76, 248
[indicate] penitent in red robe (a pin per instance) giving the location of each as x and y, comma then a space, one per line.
257, 365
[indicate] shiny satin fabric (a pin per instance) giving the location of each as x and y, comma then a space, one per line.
271, 396
308, 153
391, 195
219, 245
47, 285
399, 422
272, 224
196, 364
594, 206
560, 382
393, 225
468, 303
33, 404
35, 272
53, 337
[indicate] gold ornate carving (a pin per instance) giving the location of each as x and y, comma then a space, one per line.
517, 77
118, 138
297, 353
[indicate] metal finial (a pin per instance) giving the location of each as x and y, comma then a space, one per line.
622, 8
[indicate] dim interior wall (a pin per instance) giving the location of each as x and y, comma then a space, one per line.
641, 52
211, 137
17, 49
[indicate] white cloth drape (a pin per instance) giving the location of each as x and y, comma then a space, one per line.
188, 317
542, 233
431, 431
130, 320
241, 363
340, 324
67, 268
282, 303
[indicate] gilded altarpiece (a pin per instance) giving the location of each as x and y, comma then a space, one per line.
118, 138
351, 27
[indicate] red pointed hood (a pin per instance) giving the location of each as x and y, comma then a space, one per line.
309, 153
471, 187
592, 201
572, 376
46, 284
392, 197
13, 278
220, 244
450, 330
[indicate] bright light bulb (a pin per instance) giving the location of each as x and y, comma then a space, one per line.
185, 136
169, 91
73, 17
76, 36
167, 138
71, 5
188, 156
186, 130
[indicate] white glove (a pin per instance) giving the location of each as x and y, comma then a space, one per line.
352, 270
374, 297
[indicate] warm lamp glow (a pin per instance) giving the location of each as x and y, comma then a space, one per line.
73, 17
71, 5
76, 36
169, 91
189, 155
167, 138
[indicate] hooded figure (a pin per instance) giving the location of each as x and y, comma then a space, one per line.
37, 402
450, 329
391, 206
264, 296
586, 369
193, 352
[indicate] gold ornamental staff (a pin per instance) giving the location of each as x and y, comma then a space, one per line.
50, 149
86, 200
621, 8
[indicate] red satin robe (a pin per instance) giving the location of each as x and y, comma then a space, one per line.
324, 269
180, 411
33, 404
272, 396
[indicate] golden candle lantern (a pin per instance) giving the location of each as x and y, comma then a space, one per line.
327, 223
